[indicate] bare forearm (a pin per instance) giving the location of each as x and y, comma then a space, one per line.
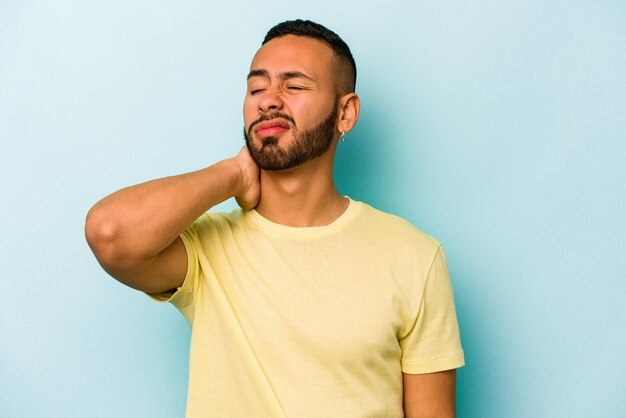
141, 220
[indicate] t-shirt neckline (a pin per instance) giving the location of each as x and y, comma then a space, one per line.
304, 232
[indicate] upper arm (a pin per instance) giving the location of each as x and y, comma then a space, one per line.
430, 395
160, 273
433, 342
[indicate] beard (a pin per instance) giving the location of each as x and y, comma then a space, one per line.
305, 146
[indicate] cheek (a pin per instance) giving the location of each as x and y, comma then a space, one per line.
311, 114
249, 112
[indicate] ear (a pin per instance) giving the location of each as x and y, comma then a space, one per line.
349, 106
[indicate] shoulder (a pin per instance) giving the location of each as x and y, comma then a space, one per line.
388, 224
219, 222
396, 232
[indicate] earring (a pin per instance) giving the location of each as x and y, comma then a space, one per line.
343, 136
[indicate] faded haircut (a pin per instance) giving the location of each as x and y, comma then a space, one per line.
345, 67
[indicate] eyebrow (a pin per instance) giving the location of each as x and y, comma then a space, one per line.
285, 75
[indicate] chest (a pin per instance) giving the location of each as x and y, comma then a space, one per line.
323, 301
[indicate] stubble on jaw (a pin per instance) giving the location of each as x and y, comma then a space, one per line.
304, 147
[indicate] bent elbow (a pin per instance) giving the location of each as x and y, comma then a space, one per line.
101, 235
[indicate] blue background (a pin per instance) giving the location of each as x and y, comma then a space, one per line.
496, 126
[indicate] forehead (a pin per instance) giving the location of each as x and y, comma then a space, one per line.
294, 53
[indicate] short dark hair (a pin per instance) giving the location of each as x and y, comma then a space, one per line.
307, 28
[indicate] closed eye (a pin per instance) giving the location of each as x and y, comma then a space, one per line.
295, 88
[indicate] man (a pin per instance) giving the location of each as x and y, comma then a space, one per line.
304, 303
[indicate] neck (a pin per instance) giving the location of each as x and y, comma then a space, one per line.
302, 196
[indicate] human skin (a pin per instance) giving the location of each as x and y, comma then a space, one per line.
305, 195
430, 395
134, 232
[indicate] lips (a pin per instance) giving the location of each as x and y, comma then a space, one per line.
271, 128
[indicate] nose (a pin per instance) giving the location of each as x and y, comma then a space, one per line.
270, 101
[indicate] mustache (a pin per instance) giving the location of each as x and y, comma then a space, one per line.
270, 116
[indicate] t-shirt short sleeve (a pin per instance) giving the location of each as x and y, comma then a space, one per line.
183, 297
433, 344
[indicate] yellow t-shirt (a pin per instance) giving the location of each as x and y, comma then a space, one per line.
314, 321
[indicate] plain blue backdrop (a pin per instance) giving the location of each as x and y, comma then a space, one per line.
496, 126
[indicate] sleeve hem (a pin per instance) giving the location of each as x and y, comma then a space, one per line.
438, 365
185, 287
